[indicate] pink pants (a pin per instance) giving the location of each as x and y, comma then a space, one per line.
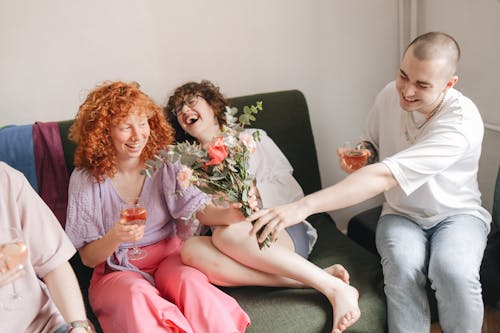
182, 301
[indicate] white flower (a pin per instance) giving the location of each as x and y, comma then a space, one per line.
248, 141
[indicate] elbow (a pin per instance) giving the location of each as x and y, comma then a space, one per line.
88, 263
86, 259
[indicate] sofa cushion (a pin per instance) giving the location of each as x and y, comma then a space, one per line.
285, 118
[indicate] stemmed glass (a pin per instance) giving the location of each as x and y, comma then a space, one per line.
13, 256
133, 212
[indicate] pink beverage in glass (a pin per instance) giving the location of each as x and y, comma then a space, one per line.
356, 158
134, 215
13, 256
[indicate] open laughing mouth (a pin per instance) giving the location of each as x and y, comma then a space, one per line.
133, 146
190, 119
409, 100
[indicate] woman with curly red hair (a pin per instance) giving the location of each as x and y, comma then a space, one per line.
116, 130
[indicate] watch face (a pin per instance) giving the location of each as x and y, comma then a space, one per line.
80, 323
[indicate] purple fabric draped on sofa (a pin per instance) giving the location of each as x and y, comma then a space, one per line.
51, 171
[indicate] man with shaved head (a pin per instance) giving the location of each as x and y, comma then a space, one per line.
425, 138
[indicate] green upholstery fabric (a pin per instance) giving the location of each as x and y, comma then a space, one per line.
286, 119
273, 310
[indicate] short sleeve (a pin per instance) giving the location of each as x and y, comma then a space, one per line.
441, 146
182, 203
48, 245
83, 223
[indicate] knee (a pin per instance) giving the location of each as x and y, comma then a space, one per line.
189, 252
399, 270
231, 236
453, 278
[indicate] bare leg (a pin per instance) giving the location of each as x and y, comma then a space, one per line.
278, 265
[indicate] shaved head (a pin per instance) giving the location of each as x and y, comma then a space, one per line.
436, 45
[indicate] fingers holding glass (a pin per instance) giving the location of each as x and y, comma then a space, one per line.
134, 213
354, 155
13, 256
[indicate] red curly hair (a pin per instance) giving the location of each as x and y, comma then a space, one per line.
107, 106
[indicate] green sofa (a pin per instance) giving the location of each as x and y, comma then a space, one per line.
285, 118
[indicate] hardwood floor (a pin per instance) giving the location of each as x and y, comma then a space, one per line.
491, 323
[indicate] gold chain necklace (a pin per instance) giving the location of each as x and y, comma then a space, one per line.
419, 128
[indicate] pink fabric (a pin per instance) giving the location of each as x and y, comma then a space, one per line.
182, 301
51, 171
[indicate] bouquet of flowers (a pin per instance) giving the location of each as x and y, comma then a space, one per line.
221, 170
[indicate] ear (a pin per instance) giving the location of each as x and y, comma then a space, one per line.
451, 82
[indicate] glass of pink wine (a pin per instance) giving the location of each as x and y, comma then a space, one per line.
355, 154
13, 256
133, 212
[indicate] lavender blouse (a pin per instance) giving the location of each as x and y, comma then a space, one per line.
93, 208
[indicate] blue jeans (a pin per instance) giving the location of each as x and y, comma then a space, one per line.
449, 255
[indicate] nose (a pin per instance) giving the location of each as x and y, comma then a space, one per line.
134, 134
408, 90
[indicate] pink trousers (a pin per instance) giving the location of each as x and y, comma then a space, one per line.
181, 301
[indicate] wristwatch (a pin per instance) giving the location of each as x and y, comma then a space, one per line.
81, 323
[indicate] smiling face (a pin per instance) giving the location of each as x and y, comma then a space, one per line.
130, 136
422, 83
197, 118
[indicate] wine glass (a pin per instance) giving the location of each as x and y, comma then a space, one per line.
354, 154
13, 256
133, 212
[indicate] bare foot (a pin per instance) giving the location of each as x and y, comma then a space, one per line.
338, 271
345, 307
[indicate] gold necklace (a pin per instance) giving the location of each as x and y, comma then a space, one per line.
419, 128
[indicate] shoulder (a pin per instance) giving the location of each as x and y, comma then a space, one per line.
9, 172
462, 108
262, 135
12, 178
388, 93
81, 182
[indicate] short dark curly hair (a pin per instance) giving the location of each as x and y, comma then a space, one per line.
210, 93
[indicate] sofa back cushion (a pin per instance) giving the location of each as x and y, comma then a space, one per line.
285, 118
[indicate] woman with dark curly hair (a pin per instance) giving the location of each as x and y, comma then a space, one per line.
231, 256
116, 130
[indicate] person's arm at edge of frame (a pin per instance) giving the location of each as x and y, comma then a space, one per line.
65, 292
359, 186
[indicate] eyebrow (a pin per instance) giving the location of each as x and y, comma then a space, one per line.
423, 83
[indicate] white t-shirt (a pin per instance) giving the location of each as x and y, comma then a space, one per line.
274, 178
435, 163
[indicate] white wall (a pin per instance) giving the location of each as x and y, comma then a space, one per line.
339, 53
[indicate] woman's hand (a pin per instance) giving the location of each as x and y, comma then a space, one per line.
7, 276
123, 232
274, 220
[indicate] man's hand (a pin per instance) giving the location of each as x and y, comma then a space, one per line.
274, 220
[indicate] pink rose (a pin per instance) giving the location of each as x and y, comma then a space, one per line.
248, 141
253, 202
217, 152
184, 177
